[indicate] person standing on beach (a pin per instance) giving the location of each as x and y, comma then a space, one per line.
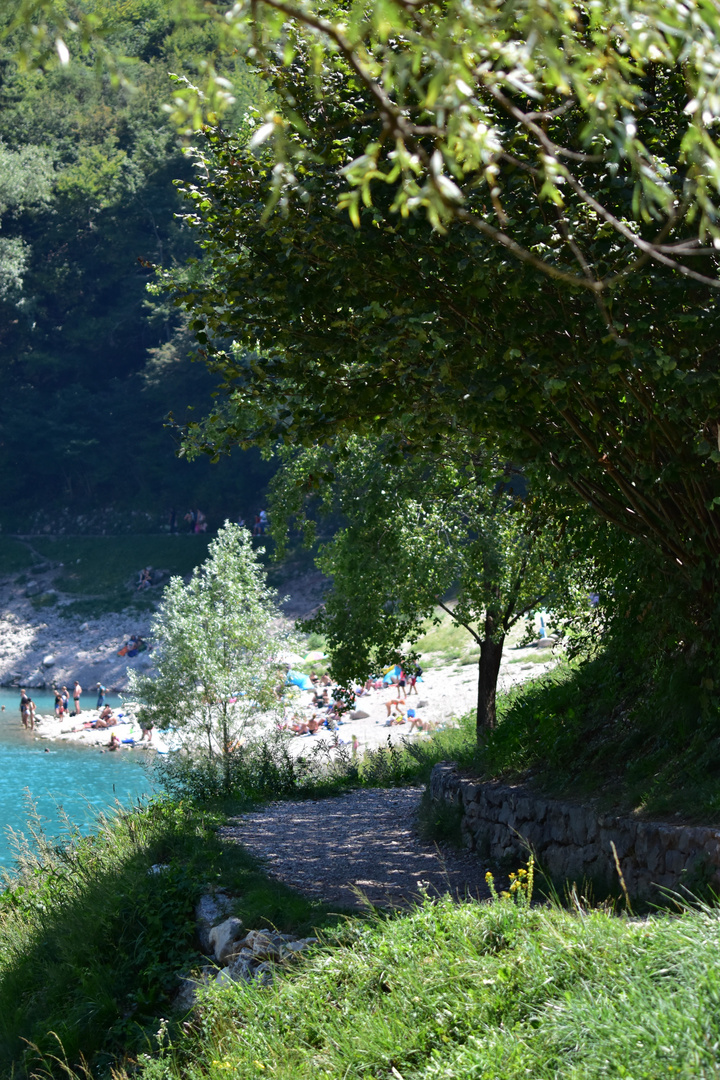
102, 691
77, 691
65, 695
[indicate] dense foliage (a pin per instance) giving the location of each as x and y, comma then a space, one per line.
595, 357
417, 531
87, 205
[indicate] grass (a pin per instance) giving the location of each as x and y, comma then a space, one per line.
475, 991
99, 565
445, 641
635, 736
99, 573
91, 943
15, 557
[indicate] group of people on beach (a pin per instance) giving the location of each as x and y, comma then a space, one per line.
333, 706
62, 699
106, 717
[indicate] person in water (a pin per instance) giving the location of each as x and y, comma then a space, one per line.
27, 710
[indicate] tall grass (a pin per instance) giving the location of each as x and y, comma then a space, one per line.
265, 769
474, 991
92, 940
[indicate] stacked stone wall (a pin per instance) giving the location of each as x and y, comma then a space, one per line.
573, 842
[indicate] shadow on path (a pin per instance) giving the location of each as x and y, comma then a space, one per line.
363, 842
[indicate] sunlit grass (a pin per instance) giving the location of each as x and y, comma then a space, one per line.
472, 991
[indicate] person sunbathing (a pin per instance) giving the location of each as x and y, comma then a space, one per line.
396, 718
114, 743
101, 722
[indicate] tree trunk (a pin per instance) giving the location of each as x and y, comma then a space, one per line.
226, 750
488, 671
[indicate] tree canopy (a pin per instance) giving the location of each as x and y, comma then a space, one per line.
87, 204
457, 531
402, 326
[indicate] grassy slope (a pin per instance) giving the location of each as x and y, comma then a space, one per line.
91, 942
633, 737
475, 991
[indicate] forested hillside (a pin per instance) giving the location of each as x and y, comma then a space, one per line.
91, 364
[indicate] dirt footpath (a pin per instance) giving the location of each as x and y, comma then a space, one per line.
357, 848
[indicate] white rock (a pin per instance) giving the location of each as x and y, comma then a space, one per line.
224, 937
210, 907
49, 660
294, 948
224, 978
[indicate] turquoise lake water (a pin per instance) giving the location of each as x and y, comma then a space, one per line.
80, 780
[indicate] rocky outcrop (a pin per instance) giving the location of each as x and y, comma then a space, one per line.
573, 842
239, 956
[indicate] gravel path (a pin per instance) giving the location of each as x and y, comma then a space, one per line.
356, 848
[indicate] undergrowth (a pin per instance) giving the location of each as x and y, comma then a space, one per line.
92, 939
473, 991
266, 769
636, 735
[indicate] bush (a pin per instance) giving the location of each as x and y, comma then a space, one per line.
264, 768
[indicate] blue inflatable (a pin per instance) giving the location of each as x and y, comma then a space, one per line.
296, 678
392, 674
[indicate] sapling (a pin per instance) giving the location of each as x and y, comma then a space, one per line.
217, 651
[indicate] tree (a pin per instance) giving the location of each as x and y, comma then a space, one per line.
217, 647
399, 327
25, 181
414, 531
87, 203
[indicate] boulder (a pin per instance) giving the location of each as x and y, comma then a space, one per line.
293, 949
49, 660
209, 910
186, 997
241, 969
32, 588
264, 947
223, 938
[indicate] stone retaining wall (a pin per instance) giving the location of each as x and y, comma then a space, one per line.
573, 842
